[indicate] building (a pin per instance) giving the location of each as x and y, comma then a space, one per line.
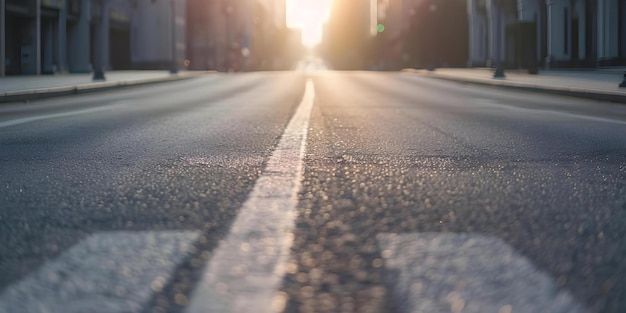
158, 34
348, 34
35, 36
547, 33
396, 37
479, 49
236, 35
487, 30
424, 34
59, 36
78, 36
110, 33
271, 46
218, 36
201, 42
581, 33
276, 11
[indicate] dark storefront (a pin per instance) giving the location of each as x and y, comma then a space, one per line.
21, 48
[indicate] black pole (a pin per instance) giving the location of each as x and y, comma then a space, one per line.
623, 84
499, 72
98, 74
174, 65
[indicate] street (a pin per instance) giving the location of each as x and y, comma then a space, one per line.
373, 161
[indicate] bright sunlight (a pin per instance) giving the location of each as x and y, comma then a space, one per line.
309, 16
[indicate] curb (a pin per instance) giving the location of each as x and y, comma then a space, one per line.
53, 92
593, 94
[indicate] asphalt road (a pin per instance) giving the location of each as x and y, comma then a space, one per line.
386, 153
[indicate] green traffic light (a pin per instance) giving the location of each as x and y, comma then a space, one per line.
380, 28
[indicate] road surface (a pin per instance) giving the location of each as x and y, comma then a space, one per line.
313, 192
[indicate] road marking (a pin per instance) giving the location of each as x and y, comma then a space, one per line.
469, 273
30, 119
247, 268
493, 103
112, 272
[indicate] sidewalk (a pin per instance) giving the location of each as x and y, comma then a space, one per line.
593, 84
25, 88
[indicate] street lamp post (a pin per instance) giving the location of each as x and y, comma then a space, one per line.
174, 63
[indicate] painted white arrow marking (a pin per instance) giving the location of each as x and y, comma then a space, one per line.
108, 272
468, 273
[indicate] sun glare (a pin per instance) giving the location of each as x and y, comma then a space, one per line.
309, 16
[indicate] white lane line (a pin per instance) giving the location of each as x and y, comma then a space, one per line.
493, 103
247, 268
31, 119
112, 272
468, 273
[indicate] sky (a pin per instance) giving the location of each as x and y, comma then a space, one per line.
309, 16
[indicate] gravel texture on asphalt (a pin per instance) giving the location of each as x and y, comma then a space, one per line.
169, 161
386, 153
416, 158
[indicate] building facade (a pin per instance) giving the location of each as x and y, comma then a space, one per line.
348, 33
218, 34
57, 36
158, 34
35, 36
237, 35
392, 18
547, 33
76, 36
